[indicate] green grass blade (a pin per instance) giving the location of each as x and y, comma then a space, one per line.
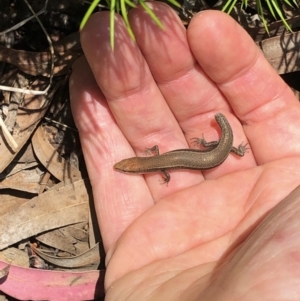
117, 9
232, 6
224, 8
244, 3
151, 14
229, 6
175, 3
270, 9
288, 3
130, 3
261, 15
88, 13
125, 17
112, 24
273, 7
280, 14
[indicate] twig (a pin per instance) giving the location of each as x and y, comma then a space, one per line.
7, 135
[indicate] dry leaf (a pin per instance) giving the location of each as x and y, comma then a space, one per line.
92, 256
57, 240
4, 271
75, 231
53, 209
66, 51
32, 284
25, 180
9, 201
50, 158
15, 256
282, 52
29, 114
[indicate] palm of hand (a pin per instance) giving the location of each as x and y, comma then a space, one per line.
197, 236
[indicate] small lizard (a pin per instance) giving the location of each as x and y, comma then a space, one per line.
216, 154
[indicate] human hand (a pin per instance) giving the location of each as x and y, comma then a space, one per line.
187, 240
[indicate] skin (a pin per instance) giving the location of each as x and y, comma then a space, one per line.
189, 240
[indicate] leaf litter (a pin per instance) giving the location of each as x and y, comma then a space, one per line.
49, 249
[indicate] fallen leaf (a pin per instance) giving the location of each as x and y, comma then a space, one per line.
66, 51
92, 256
57, 240
53, 209
25, 180
4, 271
15, 256
29, 115
50, 158
32, 284
10, 201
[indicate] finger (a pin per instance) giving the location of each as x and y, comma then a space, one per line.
187, 89
191, 95
99, 136
134, 99
259, 97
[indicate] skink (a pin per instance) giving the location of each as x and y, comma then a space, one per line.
216, 154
